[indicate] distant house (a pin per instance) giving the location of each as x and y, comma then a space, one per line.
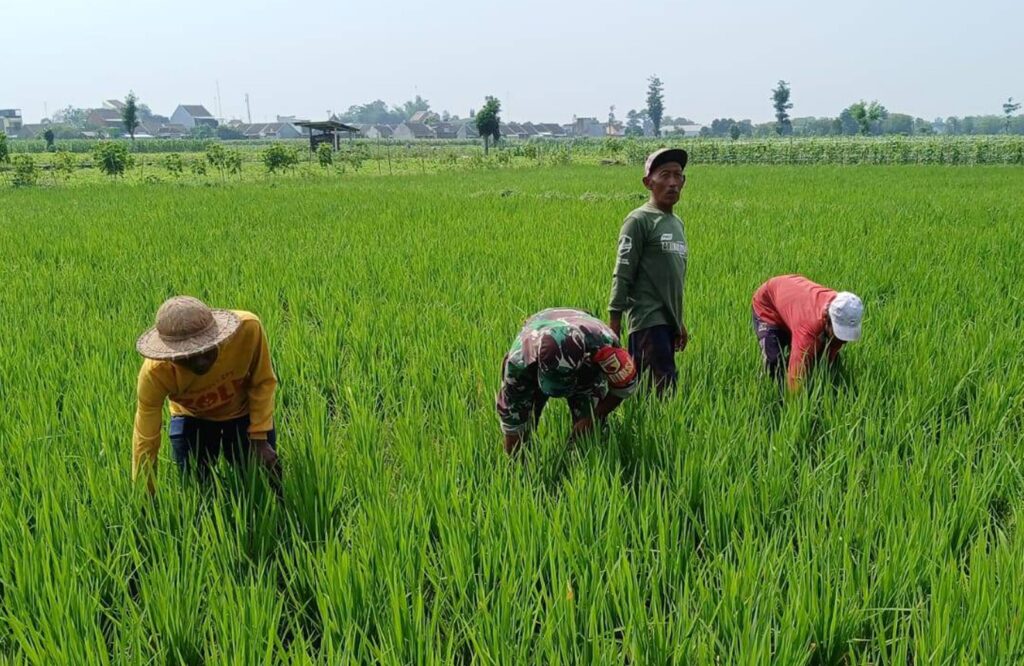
552, 130
30, 131
271, 131
172, 131
681, 130
425, 117
192, 115
373, 131
147, 129
287, 130
587, 127
362, 127
467, 130
113, 105
514, 131
379, 132
251, 131
105, 119
411, 130
529, 130
294, 122
10, 121
446, 131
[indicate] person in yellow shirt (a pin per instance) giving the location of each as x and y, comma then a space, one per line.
213, 366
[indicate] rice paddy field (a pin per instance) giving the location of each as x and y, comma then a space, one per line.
876, 518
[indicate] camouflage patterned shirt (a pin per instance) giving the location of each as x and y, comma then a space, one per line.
553, 356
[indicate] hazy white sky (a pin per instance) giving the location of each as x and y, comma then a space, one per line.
545, 60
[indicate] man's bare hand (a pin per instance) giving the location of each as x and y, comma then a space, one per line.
615, 323
581, 429
514, 443
682, 339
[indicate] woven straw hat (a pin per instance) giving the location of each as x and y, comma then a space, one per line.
186, 326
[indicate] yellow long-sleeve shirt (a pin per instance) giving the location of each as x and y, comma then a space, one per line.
241, 381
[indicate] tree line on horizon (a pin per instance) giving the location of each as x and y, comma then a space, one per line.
859, 118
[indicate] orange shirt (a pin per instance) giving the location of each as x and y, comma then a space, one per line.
800, 306
241, 381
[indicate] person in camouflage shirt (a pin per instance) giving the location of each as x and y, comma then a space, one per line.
562, 353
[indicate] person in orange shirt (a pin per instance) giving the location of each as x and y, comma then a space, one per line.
794, 314
213, 366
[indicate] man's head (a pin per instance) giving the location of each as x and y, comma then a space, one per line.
199, 364
843, 317
663, 176
188, 333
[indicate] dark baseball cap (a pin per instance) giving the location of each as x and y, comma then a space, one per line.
664, 156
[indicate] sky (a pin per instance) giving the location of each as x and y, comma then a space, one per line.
546, 61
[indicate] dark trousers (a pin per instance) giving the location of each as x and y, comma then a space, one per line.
196, 444
775, 342
653, 350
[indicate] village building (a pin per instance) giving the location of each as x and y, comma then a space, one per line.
193, 115
413, 130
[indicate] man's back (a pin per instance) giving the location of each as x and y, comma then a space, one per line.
793, 302
570, 327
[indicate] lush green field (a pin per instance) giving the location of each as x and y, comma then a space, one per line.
184, 162
874, 519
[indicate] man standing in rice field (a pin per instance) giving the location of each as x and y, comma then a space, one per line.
566, 353
650, 272
794, 315
214, 367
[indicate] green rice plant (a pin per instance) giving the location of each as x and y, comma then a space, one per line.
174, 164
216, 155
325, 155
279, 157
112, 157
354, 156
233, 161
24, 171
874, 518
64, 165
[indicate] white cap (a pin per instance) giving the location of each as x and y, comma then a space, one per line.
846, 311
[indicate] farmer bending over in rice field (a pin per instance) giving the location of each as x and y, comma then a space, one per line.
214, 368
790, 311
650, 272
562, 353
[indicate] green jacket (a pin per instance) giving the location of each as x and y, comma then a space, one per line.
650, 269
